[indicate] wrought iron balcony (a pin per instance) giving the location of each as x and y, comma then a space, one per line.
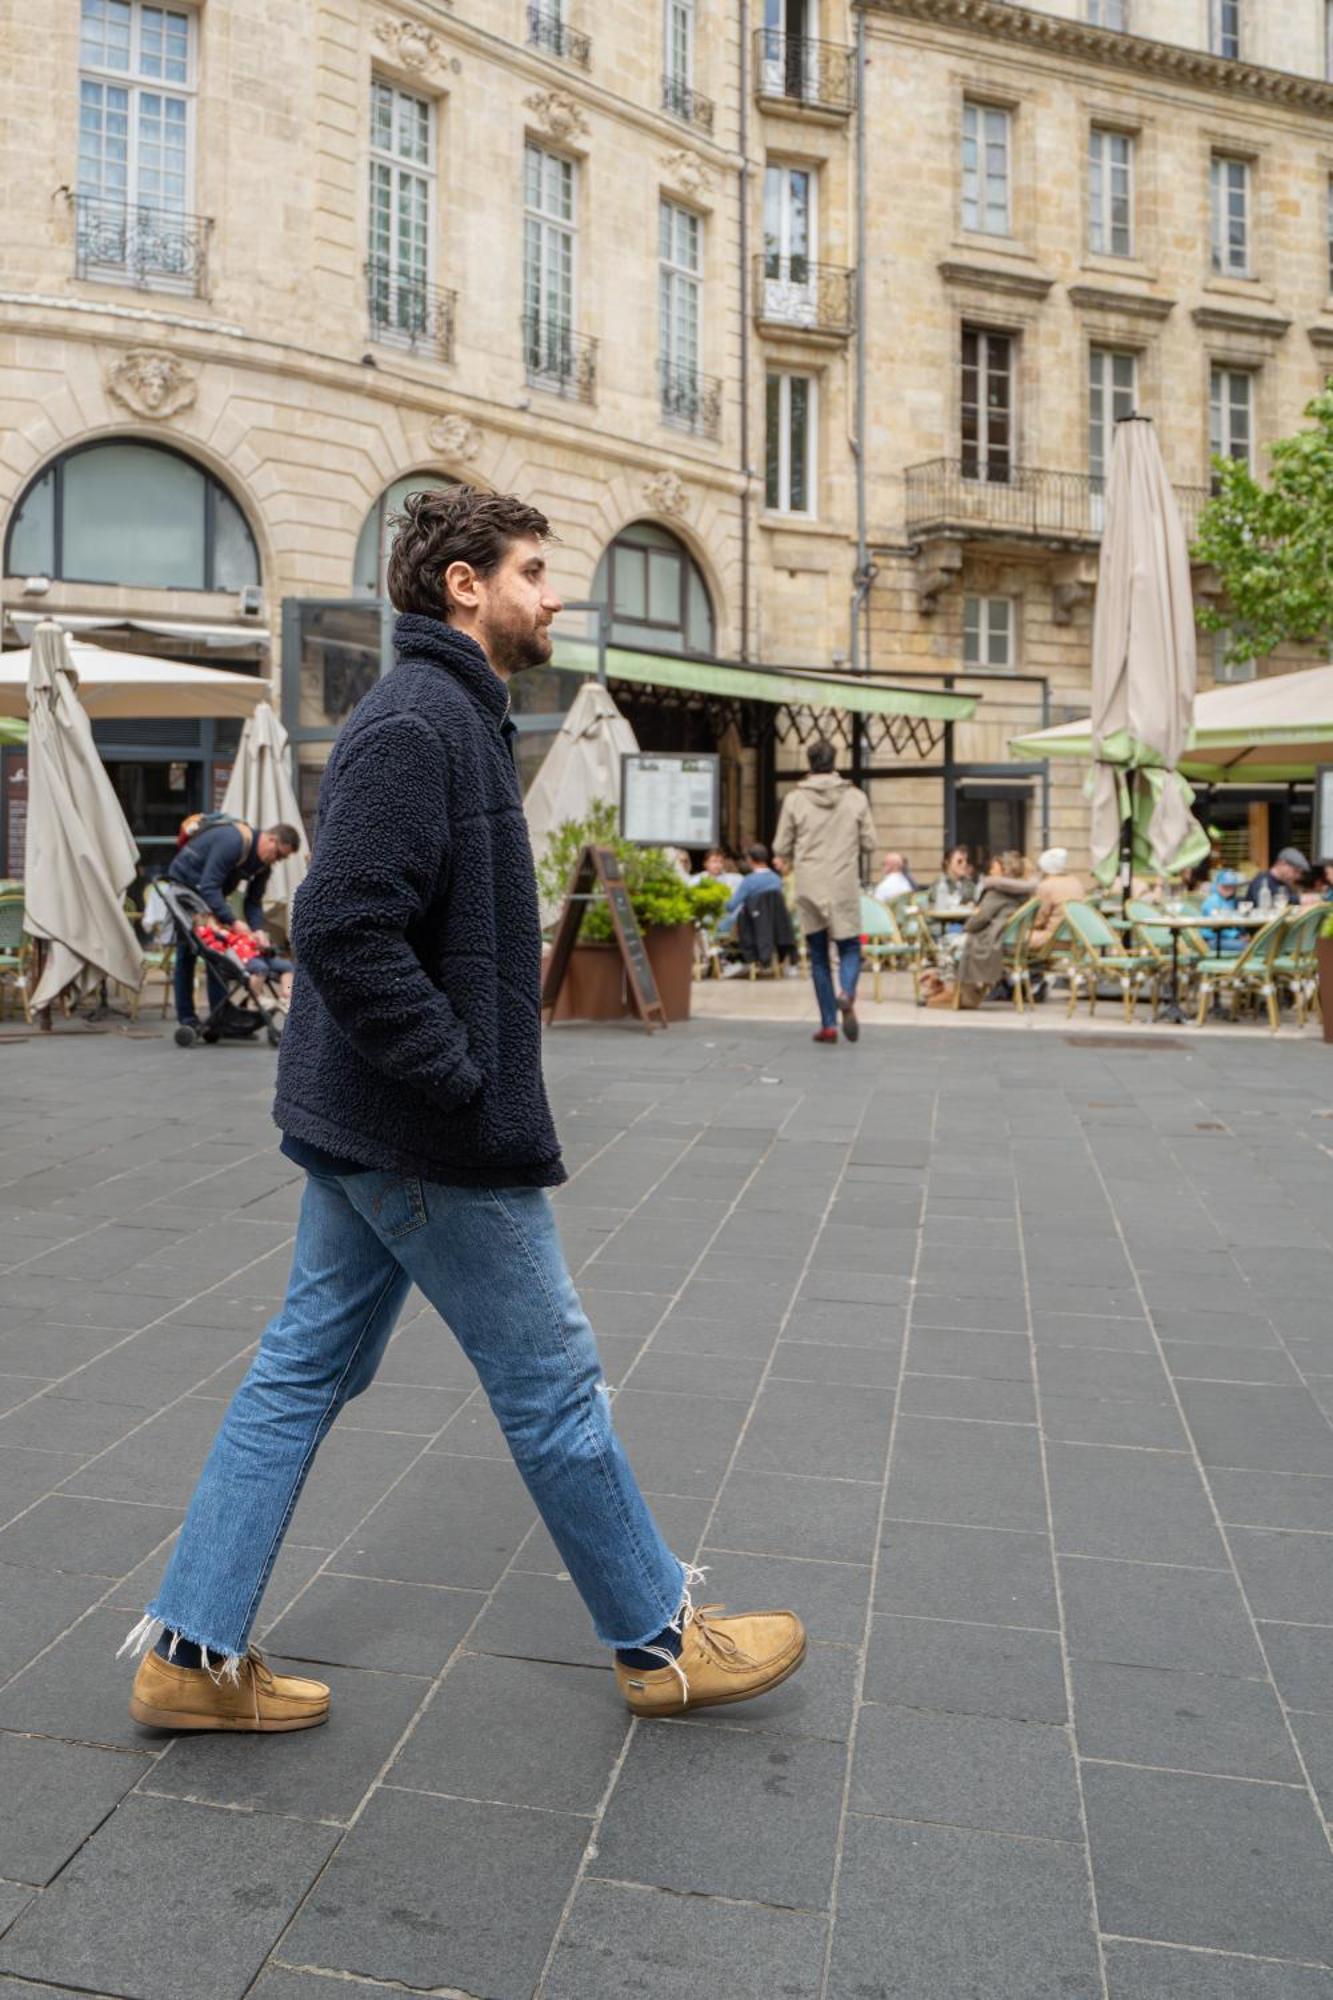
561, 362
797, 294
158, 249
406, 312
684, 102
970, 496
792, 69
547, 31
692, 402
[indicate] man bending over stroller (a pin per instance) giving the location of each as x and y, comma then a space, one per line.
214, 863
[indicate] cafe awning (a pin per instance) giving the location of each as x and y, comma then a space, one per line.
789, 687
1265, 731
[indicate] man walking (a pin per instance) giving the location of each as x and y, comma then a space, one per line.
214, 864
826, 832
410, 1091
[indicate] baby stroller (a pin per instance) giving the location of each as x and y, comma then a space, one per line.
239, 1013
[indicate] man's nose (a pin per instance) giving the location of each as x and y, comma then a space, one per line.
552, 603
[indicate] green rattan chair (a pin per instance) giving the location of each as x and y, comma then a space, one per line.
15, 954
1098, 954
1247, 975
1294, 967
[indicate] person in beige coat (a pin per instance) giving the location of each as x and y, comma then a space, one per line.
1056, 887
826, 834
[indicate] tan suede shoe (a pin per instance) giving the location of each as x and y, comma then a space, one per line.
170, 1697
721, 1659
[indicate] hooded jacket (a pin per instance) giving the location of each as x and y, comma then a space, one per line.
825, 831
414, 1039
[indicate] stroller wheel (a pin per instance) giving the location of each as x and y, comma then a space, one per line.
186, 1037
211, 1034
274, 1035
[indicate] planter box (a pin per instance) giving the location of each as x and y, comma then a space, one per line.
670, 950
1324, 960
594, 988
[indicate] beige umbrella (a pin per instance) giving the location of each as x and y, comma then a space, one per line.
135, 686
1143, 667
260, 791
581, 768
80, 856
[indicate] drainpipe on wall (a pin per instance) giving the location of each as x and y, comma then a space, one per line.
743, 143
859, 621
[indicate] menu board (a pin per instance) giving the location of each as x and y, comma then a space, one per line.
14, 770
599, 867
669, 799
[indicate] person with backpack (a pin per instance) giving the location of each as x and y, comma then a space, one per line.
214, 859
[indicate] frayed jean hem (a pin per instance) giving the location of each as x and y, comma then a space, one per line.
669, 1617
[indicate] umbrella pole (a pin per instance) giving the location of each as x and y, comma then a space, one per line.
1127, 850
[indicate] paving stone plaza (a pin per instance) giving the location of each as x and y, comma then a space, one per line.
1006, 1360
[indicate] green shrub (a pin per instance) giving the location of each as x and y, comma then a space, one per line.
658, 893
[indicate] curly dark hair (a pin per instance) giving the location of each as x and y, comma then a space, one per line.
460, 525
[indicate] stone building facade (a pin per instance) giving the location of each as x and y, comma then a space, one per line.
307, 253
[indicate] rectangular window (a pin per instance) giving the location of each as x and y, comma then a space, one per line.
789, 445
548, 263
1109, 13
1112, 394
136, 142
679, 298
1110, 193
1225, 670
1224, 27
1231, 414
987, 406
791, 284
988, 633
986, 151
401, 189
1231, 216
680, 43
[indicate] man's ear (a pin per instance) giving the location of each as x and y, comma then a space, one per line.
460, 586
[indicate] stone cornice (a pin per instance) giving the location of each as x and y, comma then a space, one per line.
995, 278
1235, 319
1320, 336
1002, 20
1106, 298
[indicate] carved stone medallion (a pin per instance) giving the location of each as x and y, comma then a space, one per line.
557, 114
454, 437
665, 493
410, 46
151, 383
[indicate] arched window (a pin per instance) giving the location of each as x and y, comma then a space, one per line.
126, 511
376, 537
656, 592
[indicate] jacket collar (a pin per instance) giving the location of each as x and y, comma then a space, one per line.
416, 637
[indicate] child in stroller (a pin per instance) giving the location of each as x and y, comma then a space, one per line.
255, 982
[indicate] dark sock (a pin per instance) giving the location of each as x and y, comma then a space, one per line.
187, 1654
647, 1663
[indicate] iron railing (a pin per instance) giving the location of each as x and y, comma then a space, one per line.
797, 292
547, 31
691, 401
945, 495
683, 101
819, 75
558, 360
404, 311
160, 249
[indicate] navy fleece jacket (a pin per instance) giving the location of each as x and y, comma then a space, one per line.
414, 1039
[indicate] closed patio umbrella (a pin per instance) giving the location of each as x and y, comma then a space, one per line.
1143, 667
581, 767
80, 856
260, 791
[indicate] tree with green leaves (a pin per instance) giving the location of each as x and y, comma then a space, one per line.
1272, 545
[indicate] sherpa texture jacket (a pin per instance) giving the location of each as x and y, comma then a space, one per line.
414, 1039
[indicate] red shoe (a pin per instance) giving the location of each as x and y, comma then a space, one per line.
825, 1035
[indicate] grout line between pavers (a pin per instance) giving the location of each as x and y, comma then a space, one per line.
1206, 1484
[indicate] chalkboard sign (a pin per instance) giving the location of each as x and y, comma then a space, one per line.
600, 866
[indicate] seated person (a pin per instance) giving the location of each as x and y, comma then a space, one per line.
1220, 898
1283, 880
1323, 881
1057, 886
718, 867
761, 881
259, 962
1008, 885
957, 882
896, 880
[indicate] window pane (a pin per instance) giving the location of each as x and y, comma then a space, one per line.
663, 588
998, 650
235, 559
972, 631
32, 545
105, 36
799, 483
630, 570
698, 612
773, 443
134, 516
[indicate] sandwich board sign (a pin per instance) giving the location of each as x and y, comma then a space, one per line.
599, 868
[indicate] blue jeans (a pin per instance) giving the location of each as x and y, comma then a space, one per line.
182, 980
849, 971
490, 1262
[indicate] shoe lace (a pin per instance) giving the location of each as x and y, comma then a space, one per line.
698, 1619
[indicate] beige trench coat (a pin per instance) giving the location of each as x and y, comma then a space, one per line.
825, 831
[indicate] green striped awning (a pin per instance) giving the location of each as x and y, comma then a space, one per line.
794, 689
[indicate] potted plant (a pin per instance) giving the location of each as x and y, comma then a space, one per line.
666, 907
